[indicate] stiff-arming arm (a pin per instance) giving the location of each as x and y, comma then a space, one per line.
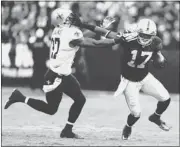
89, 42
101, 31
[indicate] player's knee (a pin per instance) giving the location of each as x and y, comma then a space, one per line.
52, 111
136, 113
81, 100
167, 101
161, 93
135, 109
165, 96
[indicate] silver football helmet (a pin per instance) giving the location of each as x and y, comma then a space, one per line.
146, 30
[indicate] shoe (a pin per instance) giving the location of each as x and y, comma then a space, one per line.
153, 118
69, 134
16, 96
126, 132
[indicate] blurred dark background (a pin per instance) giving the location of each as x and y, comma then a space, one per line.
26, 30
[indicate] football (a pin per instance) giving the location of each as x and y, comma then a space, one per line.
159, 61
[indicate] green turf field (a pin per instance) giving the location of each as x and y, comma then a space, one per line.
100, 123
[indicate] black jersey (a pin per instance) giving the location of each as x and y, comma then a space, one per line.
136, 58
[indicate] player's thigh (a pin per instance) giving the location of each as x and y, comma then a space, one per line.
72, 88
54, 97
132, 97
53, 87
154, 87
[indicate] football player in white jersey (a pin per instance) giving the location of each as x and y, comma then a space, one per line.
141, 45
66, 39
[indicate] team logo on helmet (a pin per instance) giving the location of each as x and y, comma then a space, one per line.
64, 16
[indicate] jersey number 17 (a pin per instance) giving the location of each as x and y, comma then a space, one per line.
146, 54
55, 43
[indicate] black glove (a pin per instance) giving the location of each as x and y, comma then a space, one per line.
160, 65
159, 62
75, 20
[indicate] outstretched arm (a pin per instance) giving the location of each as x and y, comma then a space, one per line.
89, 42
101, 31
129, 36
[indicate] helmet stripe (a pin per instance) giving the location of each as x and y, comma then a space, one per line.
148, 25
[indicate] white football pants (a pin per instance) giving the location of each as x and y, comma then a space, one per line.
149, 85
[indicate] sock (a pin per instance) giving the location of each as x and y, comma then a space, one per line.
156, 116
68, 126
162, 106
26, 100
131, 120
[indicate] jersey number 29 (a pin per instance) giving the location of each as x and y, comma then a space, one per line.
134, 55
55, 42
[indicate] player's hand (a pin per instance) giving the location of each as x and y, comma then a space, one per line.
160, 65
129, 36
159, 61
107, 21
77, 21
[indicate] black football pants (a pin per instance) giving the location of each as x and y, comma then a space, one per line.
71, 87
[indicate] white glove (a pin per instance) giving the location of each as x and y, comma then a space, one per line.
130, 36
107, 21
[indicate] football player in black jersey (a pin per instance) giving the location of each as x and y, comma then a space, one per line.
141, 45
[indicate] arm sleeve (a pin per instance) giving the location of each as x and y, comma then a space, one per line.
105, 32
89, 42
100, 31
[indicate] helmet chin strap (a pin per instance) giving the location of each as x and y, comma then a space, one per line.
144, 44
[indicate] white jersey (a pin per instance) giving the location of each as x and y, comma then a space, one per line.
61, 54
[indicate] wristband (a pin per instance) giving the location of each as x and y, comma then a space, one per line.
107, 34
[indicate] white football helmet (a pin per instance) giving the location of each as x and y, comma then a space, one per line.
63, 16
146, 30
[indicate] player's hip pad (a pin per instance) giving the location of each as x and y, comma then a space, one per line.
52, 86
52, 81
